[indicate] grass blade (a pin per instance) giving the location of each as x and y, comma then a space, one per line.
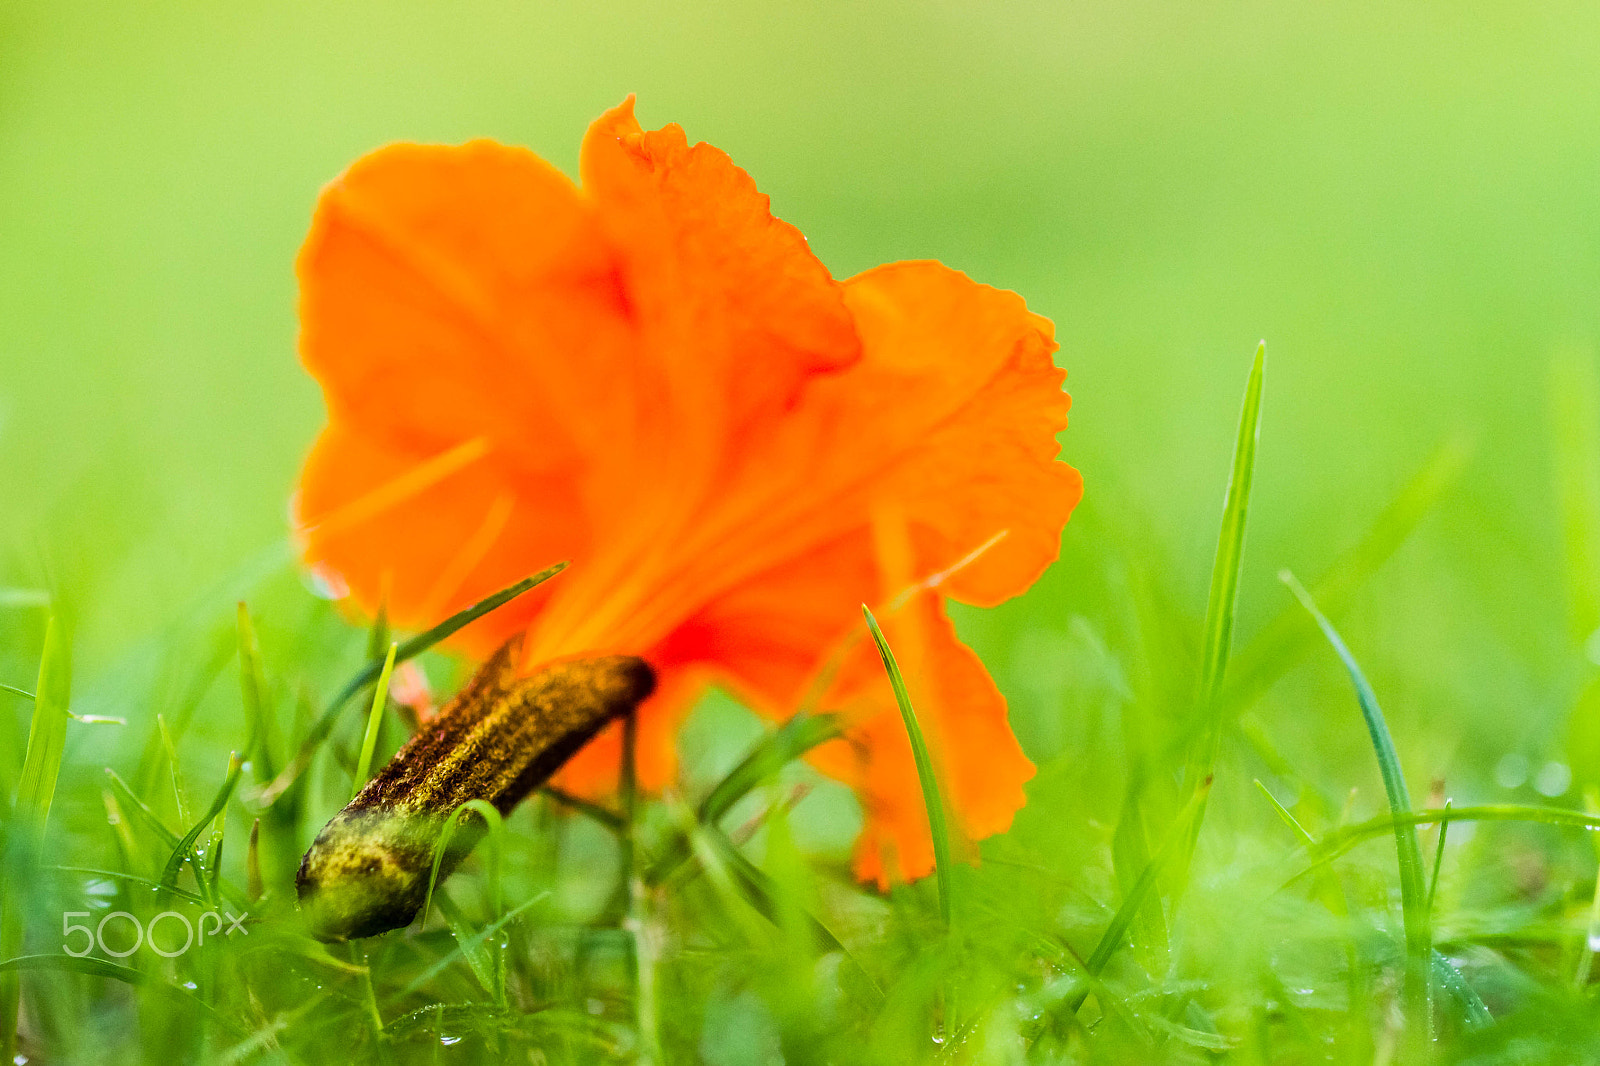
772, 752
253, 690
1286, 638
1455, 984
184, 851
89, 964
1438, 860
252, 864
1229, 561
132, 879
495, 823
1288, 819
925, 775
407, 650
1408, 852
604, 815
47, 738
793, 739
1342, 840
473, 943
488, 966
174, 773
47, 735
147, 817
1181, 832
1217, 638
1130, 855
410, 649
369, 740
1575, 424
214, 863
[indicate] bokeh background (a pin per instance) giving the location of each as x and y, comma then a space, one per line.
1401, 199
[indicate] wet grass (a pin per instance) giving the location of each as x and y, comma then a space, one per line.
1118, 921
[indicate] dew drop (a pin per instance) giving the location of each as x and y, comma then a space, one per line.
1512, 770
1554, 779
448, 1040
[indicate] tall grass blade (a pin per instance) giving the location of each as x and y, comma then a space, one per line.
771, 753
184, 850
47, 735
1454, 983
790, 741
254, 888
369, 739
1575, 425
41, 765
1217, 637
496, 824
1408, 852
214, 863
1225, 568
738, 899
464, 949
141, 810
925, 775
1181, 832
1130, 856
1282, 642
1438, 860
408, 649
1342, 840
132, 879
174, 772
253, 691
488, 965
1288, 819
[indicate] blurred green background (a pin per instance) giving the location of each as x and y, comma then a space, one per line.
1401, 199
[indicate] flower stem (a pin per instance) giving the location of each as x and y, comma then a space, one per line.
638, 918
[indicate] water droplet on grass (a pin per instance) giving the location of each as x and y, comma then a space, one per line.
448, 1040
1512, 770
1554, 779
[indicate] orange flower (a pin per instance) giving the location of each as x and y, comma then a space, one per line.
651, 376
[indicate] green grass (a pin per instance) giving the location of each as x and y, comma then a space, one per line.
720, 924
1400, 199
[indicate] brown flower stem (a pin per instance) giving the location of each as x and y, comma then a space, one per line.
500, 738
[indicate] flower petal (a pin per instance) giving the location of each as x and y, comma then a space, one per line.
438, 544
755, 312
655, 378
959, 387
455, 292
948, 423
